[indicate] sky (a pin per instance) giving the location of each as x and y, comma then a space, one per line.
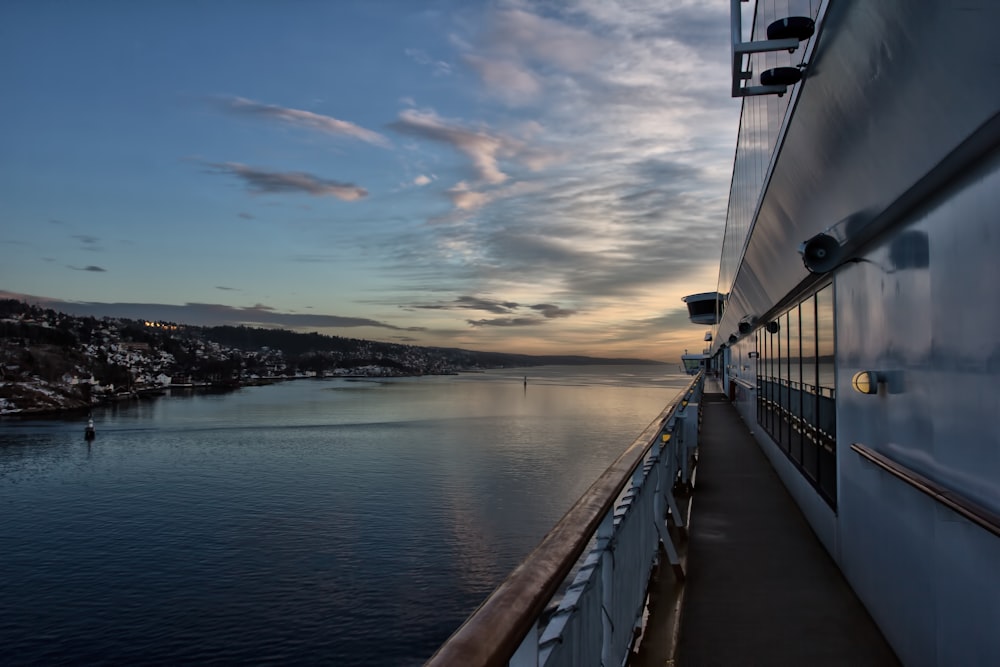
511, 176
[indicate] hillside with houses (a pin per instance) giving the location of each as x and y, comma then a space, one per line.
51, 361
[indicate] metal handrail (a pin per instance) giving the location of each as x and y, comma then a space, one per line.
958, 503
491, 635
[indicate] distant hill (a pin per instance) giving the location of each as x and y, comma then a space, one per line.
293, 343
52, 361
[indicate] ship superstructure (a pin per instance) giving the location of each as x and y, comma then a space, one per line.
859, 338
855, 329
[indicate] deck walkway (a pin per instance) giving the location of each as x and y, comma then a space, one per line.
760, 588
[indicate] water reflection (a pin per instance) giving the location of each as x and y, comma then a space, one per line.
298, 520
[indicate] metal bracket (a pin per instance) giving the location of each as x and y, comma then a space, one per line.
741, 48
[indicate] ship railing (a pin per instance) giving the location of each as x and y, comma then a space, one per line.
579, 597
959, 503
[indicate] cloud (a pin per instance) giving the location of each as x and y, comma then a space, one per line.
465, 199
518, 51
304, 119
91, 268
274, 182
522, 34
547, 310
474, 303
245, 216
88, 242
489, 305
481, 147
207, 314
551, 311
507, 322
226, 289
422, 180
439, 67
511, 81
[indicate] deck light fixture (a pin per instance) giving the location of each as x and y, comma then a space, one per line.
773, 327
865, 382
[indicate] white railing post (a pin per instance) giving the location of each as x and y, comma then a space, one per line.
527, 653
604, 538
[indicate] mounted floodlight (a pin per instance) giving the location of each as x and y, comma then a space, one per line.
773, 327
792, 27
732, 338
746, 326
821, 254
781, 76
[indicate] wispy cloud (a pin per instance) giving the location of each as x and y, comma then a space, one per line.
439, 67
304, 119
464, 198
552, 311
489, 305
509, 80
91, 268
226, 289
633, 210
88, 242
516, 45
481, 147
498, 307
295, 182
507, 322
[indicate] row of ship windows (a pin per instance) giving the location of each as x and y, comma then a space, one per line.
796, 391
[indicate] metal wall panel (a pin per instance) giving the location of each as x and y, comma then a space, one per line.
923, 310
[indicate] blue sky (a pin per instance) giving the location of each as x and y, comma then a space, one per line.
538, 177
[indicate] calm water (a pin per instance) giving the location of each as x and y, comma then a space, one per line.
334, 521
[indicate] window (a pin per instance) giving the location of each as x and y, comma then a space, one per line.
796, 389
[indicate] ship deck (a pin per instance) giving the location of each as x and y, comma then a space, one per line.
759, 586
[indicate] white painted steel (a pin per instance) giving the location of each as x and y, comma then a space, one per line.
527, 653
